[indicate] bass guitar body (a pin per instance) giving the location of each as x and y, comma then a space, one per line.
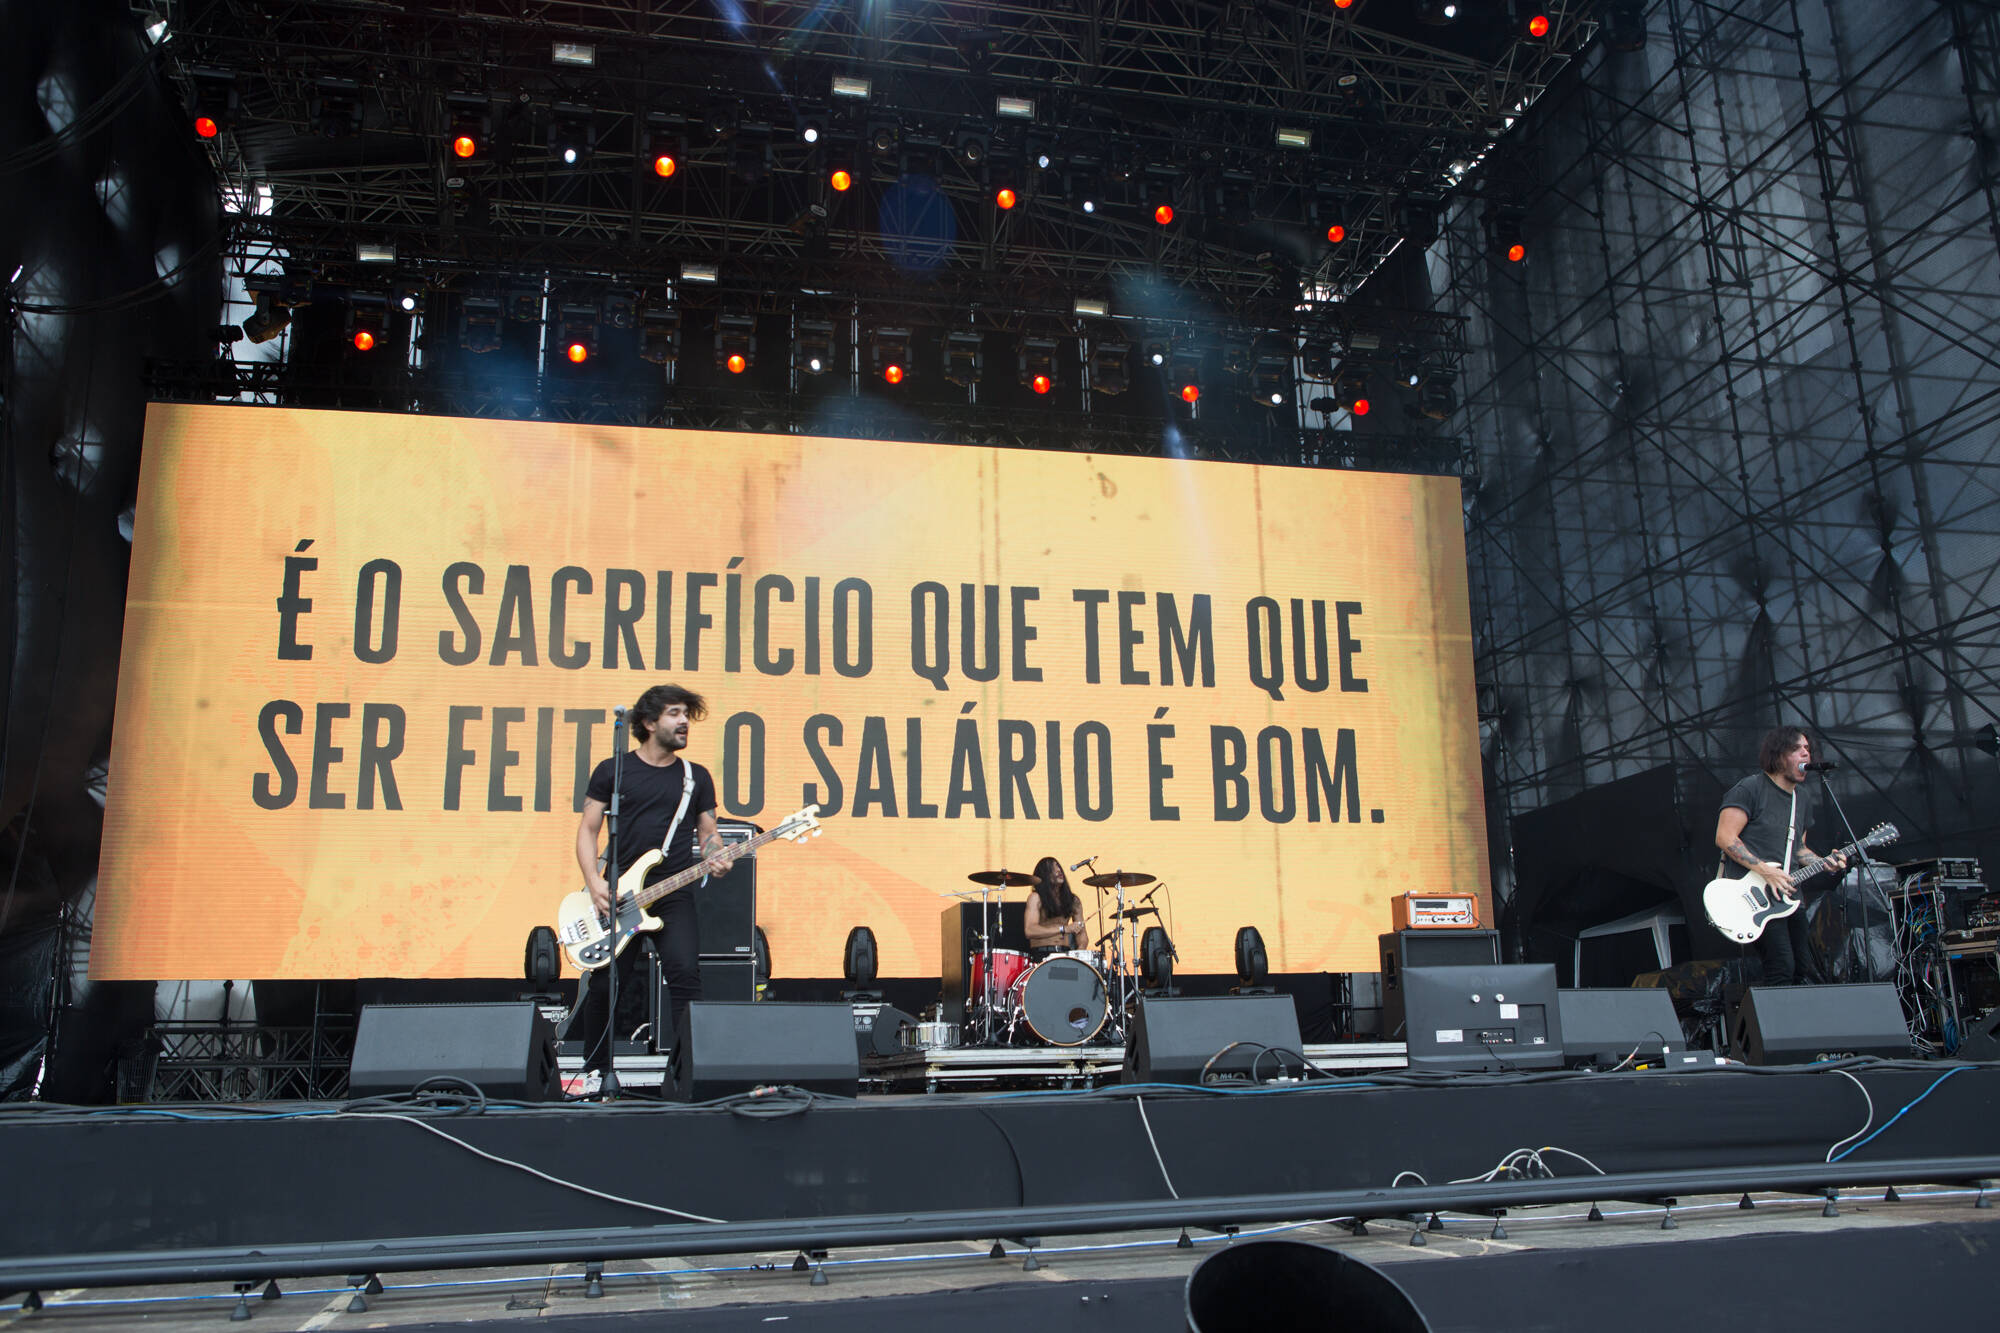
582, 932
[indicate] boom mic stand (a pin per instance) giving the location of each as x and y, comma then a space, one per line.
608, 1088
1867, 953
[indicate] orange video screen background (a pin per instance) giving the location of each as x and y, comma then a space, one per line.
369, 660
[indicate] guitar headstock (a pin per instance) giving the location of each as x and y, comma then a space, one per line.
800, 825
1880, 835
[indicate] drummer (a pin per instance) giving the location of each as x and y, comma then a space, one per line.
1054, 921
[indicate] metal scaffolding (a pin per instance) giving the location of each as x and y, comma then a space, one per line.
1736, 415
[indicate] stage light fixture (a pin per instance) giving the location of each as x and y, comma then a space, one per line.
735, 342
660, 335
1436, 399
577, 331
1184, 372
858, 960
812, 346
268, 320
479, 324
373, 252
665, 161
335, 108
408, 297
964, 358
1410, 369
972, 144
1538, 25
1014, 108
1271, 371
367, 320
1503, 233
889, 353
524, 304
1004, 198
1090, 307
572, 135
1164, 214
468, 124
621, 308
883, 136
1037, 364
1336, 234
1155, 351
856, 89
693, 270
1110, 362
842, 180
1253, 963
1350, 389
1437, 13
1290, 136
581, 55
215, 101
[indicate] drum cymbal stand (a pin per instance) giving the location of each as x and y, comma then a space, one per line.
986, 937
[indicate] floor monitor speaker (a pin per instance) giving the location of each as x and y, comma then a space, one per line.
1795, 1025
1606, 1027
729, 1048
1405, 949
1241, 1036
508, 1049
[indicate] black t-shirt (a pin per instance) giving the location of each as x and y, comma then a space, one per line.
1770, 809
650, 797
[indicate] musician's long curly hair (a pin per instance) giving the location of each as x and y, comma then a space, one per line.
1059, 901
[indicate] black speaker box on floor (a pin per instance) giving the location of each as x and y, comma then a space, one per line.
508, 1049
1793, 1025
728, 1048
1404, 949
878, 1029
1604, 1027
1171, 1041
729, 978
1982, 1040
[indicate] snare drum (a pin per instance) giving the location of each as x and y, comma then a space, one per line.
930, 1036
1008, 965
1062, 1000
1089, 956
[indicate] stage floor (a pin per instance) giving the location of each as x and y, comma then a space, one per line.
1136, 1279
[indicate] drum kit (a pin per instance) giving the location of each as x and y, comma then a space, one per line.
1072, 997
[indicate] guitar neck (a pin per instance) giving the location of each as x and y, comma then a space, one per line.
680, 879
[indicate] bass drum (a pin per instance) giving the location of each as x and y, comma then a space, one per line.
1062, 1000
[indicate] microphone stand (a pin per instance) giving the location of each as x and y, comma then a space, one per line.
608, 1088
1867, 953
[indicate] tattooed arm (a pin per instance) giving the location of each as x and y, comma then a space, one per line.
1729, 837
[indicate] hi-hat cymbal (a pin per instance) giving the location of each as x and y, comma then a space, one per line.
1003, 878
1130, 879
1134, 913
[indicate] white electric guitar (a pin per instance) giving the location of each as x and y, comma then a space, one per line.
591, 942
1741, 908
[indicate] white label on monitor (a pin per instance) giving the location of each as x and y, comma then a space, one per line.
1510, 1011
1446, 1036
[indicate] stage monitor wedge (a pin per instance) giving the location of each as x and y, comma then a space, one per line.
1251, 1037
1604, 1027
1500, 1017
1796, 1025
508, 1049
731, 1048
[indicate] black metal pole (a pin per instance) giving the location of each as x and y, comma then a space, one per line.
608, 1086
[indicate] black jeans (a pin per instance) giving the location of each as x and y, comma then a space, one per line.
1786, 948
677, 942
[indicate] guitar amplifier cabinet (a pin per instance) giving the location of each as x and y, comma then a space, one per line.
1427, 948
728, 906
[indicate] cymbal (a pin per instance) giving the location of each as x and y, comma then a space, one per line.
1001, 878
1134, 913
1130, 879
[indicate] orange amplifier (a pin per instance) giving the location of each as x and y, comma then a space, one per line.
1434, 911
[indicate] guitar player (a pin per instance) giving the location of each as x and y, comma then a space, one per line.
1756, 814
666, 801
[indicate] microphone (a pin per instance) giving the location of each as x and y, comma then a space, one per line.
1081, 864
618, 713
1821, 768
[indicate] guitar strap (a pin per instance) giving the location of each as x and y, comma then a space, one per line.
1791, 835
687, 794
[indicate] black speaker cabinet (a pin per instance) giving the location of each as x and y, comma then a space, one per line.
878, 1029
1795, 1025
1982, 1040
1603, 1027
731, 978
1173, 1040
1427, 948
728, 906
959, 940
508, 1049
728, 1048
